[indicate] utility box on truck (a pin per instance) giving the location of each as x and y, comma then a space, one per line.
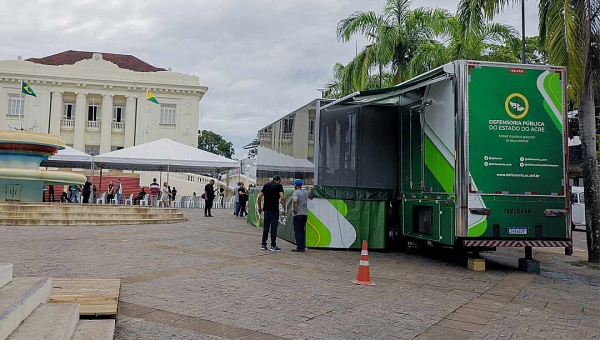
475, 151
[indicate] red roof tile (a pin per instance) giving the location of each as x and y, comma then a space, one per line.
70, 57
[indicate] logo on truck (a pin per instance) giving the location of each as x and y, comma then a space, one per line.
517, 106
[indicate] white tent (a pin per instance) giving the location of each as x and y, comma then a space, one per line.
268, 159
69, 158
164, 155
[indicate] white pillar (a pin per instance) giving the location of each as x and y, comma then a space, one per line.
106, 123
80, 121
56, 112
130, 106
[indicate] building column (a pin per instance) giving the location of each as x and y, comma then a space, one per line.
80, 121
106, 123
56, 112
130, 108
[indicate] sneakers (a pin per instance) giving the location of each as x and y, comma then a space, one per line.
263, 247
299, 250
275, 248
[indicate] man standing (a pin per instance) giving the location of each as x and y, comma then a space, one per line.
154, 192
164, 196
209, 196
273, 194
300, 199
236, 208
243, 197
87, 190
119, 190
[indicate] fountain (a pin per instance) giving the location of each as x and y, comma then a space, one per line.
21, 153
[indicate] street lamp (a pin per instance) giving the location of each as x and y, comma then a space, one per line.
322, 90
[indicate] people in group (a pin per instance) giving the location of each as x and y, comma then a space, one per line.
209, 196
51, 193
173, 193
87, 190
119, 190
243, 197
154, 192
111, 191
300, 203
73, 193
222, 196
164, 197
94, 193
273, 194
236, 208
64, 197
140, 196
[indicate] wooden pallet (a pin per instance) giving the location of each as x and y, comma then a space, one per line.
96, 297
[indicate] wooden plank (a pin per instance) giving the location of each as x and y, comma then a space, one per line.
96, 297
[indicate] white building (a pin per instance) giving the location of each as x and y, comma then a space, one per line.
293, 134
97, 101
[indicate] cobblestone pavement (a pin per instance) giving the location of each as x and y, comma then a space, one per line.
207, 279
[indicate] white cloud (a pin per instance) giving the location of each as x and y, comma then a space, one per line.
260, 58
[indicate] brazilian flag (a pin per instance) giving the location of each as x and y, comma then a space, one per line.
151, 98
26, 89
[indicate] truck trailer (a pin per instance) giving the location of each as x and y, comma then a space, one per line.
475, 152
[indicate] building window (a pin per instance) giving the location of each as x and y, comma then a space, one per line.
94, 112
68, 110
167, 114
311, 126
16, 105
92, 150
288, 125
115, 148
118, 114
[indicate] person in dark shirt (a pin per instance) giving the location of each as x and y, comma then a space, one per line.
273, 194
209, 196
51, 193
140, 196
87, 190
173, 193
243, 200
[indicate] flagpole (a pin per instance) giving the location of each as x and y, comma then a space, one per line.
145, 115
21, 105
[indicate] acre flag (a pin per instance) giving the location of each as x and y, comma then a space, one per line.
26, 89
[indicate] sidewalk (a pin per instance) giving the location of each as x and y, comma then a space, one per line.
207, 279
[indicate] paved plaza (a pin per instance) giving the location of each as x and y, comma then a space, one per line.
207, 279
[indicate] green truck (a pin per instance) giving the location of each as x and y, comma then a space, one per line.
474, 152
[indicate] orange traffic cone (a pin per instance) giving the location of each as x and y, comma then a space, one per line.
364, 276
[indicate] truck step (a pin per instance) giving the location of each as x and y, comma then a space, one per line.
50, 321
18, 299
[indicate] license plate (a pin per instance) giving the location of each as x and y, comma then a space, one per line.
517, 231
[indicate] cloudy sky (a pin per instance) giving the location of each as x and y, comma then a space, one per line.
260, 59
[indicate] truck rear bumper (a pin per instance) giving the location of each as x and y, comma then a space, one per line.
516, 243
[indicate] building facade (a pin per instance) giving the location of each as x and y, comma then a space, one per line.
294, 134
97, 102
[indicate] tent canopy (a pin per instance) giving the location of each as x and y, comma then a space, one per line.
164, 155
69, 158
272, 160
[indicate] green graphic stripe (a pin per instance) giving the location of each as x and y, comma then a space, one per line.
340, 206
553, 90
429, 129
317, 234
478, 229
441, 169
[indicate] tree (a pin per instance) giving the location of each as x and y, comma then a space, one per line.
492, 42
570, 33
252, 148
213, 142
394, 36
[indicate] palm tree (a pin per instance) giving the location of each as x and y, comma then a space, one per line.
570, 32
452, 44
393, 36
